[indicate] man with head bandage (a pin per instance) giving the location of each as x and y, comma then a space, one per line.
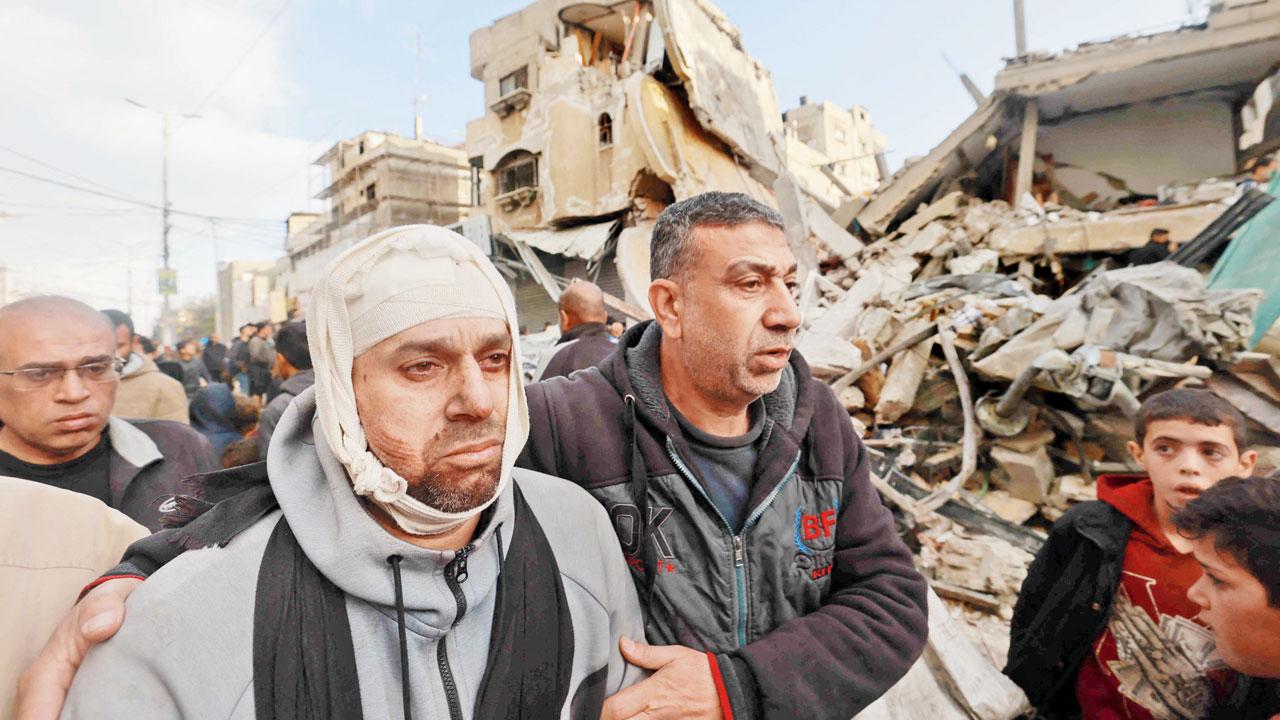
394, 563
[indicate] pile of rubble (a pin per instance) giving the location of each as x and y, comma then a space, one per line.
994, 378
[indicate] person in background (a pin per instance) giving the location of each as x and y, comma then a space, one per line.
1234, 529
616, 328
262, 355
54, 543
1260, 174
144, 345
215, 358
584, 338
293, 368
238, 358
194, 373
1157, 249
213, 410
144, 392
59, 374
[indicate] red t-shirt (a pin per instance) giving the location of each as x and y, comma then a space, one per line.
1154, 660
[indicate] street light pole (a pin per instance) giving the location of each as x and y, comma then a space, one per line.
167, 322
166, 319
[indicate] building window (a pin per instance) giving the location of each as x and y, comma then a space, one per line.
514, 81
370, 193
361, 151
840, 135
605, 127
520, 170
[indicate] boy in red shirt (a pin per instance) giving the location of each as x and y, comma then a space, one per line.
1103, 628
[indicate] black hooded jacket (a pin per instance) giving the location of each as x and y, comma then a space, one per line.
584, 346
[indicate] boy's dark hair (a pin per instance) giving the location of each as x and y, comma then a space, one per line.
147, 345
291, 342
1159, 232
1199, 407
1242, 516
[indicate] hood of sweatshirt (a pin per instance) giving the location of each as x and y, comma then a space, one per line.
351, 548
1134, 497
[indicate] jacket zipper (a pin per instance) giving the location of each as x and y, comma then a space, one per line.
739, 539
455, 573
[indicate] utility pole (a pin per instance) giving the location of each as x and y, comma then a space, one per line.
417, 85
167, 281
128, 278
1019, 28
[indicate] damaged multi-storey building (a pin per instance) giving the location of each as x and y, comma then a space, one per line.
1108, 124
598, 115
377, 180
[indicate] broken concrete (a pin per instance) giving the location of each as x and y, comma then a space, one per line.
1030, 473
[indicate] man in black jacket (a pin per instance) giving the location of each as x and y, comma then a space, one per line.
59, 374
772, 578
737, 486
584, 337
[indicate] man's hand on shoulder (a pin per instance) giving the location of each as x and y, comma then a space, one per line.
680, 687
42, 689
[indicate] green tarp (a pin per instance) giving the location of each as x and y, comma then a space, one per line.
1252, 260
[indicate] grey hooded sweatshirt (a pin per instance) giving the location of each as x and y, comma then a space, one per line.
187, 648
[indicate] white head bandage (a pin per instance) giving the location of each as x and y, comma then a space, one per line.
384, 285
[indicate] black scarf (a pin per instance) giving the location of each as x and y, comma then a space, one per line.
304, 663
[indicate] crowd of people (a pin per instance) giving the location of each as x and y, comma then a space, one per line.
675, 521
233, 396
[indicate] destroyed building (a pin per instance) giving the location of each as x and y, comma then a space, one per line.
598, 115
988, 339
377, 180
1107, 122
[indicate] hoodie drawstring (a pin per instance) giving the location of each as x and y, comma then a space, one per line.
640, 496
395, 561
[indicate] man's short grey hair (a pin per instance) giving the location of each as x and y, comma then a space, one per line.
672, 250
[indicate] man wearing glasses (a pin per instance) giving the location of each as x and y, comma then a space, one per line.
58, 379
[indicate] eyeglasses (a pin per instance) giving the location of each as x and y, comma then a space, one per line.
28, 379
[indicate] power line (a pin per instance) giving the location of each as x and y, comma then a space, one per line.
125, 199
58, 169
244, 56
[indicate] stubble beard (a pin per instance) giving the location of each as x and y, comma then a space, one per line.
728, 374
456, 492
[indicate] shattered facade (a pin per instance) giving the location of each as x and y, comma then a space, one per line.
598, 115
1104, 123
